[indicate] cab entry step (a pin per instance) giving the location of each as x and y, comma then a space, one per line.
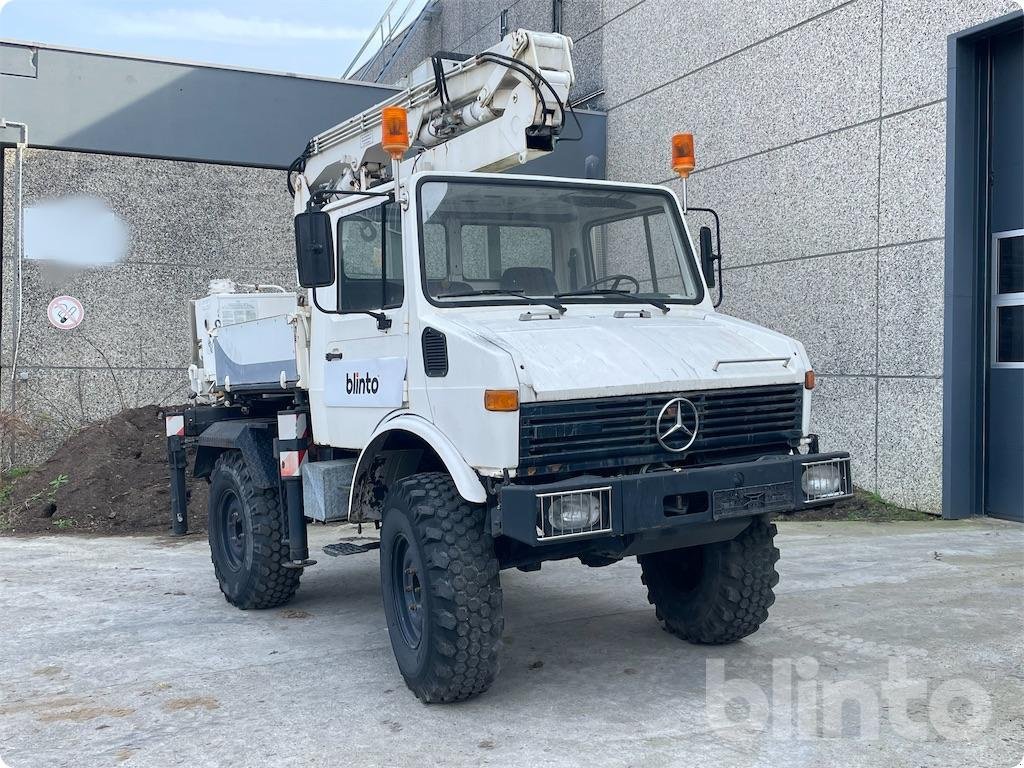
351, 547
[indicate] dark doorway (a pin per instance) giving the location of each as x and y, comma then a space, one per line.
1004, 482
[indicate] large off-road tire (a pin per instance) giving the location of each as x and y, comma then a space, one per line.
716, 593
441, 590
247, 537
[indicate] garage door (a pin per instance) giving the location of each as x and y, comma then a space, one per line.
1005, 401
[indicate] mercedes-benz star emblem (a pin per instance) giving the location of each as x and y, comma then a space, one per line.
677, 425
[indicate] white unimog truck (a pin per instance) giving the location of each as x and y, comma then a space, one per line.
491, 371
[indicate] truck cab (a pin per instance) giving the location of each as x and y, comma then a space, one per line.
498, 370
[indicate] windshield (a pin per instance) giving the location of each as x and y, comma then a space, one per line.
486, 241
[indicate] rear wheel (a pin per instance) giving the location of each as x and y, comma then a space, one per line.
716, 593
442, 594
247, 537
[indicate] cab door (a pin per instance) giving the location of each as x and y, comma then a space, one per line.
359, 336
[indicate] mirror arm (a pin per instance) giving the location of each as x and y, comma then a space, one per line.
383, 321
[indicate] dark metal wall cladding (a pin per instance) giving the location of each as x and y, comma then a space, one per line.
574, 435
119, 105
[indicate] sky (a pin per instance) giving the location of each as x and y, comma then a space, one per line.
310, 37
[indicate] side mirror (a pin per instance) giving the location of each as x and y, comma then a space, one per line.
314, 249
707, 256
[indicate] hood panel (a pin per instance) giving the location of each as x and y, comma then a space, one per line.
591, 353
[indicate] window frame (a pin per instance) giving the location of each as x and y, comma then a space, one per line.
998, 300
382, 209
492, 301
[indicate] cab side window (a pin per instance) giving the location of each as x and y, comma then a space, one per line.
370, 259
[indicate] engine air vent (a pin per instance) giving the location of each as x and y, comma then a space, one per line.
435, 353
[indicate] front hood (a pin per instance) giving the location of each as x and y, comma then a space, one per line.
589, 352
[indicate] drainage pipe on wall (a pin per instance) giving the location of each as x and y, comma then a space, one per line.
19, 251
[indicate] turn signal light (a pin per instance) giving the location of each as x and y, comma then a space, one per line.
394, 131
501, 400
683, 158
809, 380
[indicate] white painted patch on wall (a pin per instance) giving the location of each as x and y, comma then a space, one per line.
75, 231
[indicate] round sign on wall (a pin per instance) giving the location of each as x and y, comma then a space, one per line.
65, 312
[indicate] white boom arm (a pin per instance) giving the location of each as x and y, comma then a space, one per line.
492, 112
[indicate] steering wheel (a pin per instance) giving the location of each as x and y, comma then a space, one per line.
615, 280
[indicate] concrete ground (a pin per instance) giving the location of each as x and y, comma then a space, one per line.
122, 652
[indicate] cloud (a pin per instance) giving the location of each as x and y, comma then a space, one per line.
215, 26
2, 4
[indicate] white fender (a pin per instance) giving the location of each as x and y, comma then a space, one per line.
466, 481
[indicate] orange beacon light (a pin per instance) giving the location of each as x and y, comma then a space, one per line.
683, 160
394, 131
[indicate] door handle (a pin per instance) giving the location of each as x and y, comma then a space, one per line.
334, 356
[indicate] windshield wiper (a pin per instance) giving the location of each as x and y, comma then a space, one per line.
618, 293
505, 292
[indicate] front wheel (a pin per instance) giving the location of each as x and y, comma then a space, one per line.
716, 593
442, 594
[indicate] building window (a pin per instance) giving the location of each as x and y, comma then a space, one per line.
1008, 299
556, 16
503, 24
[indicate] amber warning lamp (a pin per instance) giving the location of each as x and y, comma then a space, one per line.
683, 161
394, 131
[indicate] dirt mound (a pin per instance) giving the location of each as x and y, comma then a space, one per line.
111, 477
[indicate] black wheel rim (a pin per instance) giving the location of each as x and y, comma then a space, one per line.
232, 530
407, 591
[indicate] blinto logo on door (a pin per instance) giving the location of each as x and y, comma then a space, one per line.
372, 383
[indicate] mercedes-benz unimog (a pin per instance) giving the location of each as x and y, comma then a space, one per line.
490, 371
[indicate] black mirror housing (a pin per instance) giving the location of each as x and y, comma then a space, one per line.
314, 249
707, 256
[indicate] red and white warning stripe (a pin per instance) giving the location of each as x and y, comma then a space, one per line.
175, 425
292, 426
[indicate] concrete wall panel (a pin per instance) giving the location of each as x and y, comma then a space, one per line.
910, 442
813, 197
789, 88
679, 38
912, 186
843, 414
828, 303
914, 55
187, 224
910, 306
55, 402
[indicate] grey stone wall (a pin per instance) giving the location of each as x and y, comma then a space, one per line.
470, 26
187, 223
820, 131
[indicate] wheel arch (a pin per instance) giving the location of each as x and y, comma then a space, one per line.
400, 447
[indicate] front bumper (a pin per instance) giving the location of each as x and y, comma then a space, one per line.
672, 500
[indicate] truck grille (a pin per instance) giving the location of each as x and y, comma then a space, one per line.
574, 435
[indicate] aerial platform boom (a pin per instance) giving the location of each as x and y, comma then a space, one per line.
488, 112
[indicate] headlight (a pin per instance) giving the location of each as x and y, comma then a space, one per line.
578, 511
821, 480
574, 513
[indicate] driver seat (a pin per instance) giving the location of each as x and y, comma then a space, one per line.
537, 281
